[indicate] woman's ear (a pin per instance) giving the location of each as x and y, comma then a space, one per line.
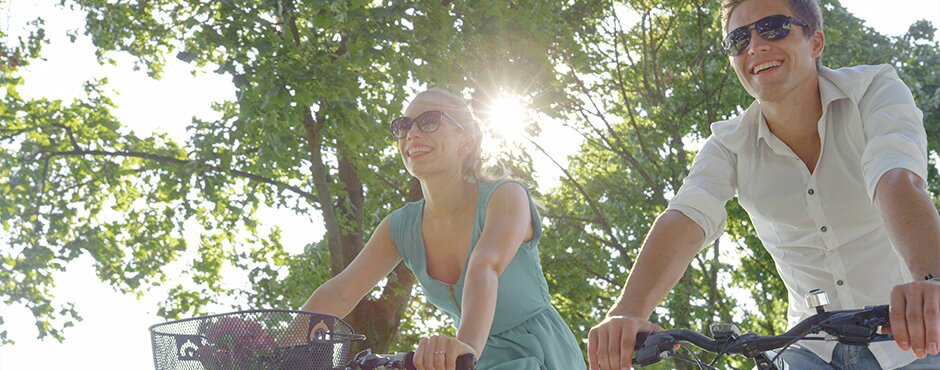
466, 144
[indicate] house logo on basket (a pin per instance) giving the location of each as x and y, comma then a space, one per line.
320, 331
188, 345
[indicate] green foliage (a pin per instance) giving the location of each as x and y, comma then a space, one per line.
643, 92
643, 98
59, 202
285, 280
314, 85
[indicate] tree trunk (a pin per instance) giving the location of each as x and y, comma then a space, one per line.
379, 319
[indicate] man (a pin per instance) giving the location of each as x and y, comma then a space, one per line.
831, 167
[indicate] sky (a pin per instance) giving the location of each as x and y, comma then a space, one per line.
114, 332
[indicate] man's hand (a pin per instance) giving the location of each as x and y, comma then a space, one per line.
611, 343
915, 317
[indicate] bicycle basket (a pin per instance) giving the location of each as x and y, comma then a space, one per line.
255, 339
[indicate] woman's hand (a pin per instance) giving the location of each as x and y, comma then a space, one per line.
440, 352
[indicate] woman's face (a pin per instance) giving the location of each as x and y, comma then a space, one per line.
441, 151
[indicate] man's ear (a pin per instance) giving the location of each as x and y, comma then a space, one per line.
819, 43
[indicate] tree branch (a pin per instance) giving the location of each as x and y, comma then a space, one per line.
621, 84
183, 162
597, 211
618, 147
71, 135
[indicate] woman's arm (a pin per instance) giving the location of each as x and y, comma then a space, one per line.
508, 224
339, 295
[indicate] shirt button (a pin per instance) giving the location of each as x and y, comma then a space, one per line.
840, 282
823, 229
811, 191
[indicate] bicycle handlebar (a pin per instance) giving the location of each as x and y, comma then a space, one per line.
853, 327
366, 360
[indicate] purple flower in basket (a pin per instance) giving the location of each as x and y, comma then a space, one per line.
234, 343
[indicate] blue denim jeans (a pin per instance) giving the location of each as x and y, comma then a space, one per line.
846, 357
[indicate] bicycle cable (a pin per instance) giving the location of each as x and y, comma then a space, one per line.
697, 360
787, 346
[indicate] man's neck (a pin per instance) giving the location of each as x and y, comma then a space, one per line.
796, 115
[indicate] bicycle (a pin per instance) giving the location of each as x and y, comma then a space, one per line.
851, 327
269, 340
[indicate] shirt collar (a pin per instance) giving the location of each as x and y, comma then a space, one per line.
763, 131
829, 90
752, 127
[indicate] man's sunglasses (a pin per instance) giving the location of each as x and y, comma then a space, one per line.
774, 27
427, 122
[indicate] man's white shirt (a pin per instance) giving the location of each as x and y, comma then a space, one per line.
821, 228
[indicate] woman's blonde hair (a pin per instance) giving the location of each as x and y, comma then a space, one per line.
459, 109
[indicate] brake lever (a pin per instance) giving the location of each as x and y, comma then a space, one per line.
369, 360
654, 348
860, 328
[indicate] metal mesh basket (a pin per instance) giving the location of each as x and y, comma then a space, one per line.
256, 339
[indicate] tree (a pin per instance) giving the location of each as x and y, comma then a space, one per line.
315, 83
654, 78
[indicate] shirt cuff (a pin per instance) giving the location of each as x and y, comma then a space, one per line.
894, 152
702, 208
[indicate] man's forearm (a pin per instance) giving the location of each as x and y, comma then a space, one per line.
912, 221
672, 242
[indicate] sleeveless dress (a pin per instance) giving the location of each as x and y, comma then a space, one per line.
527, 332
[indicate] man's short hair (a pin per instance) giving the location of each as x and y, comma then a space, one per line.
807, 10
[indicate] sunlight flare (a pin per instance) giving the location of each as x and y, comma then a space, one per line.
508, 117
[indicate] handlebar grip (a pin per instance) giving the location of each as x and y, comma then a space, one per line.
640, 339
882, 311
650, 345
465, 361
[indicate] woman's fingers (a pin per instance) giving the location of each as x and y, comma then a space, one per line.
421, 355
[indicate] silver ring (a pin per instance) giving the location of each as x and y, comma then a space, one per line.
438, 353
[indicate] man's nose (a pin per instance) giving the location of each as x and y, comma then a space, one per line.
757, 43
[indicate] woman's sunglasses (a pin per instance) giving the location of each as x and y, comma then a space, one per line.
774, 27
427, 122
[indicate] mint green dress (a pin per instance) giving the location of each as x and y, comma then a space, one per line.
527, 332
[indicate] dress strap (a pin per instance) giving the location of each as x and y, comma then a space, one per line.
402, 222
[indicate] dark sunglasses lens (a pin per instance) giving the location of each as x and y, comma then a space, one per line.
737, 41
774, 27
400, 127
429, 121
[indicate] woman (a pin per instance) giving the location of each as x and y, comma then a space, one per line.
471, 243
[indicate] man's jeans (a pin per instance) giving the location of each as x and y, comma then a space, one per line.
846, 357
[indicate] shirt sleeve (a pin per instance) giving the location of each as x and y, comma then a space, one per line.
707, 188
894, 130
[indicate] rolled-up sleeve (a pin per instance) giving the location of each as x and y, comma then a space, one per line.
894, 130
707, 188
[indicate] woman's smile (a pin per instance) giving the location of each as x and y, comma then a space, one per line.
419, 150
